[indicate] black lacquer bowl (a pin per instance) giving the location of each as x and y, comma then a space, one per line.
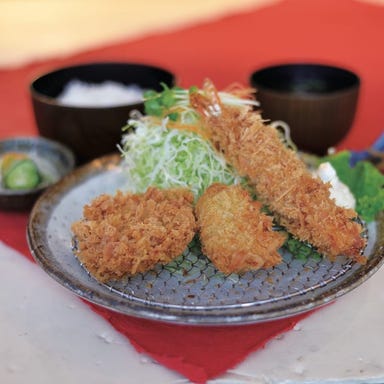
91, 131
317, 101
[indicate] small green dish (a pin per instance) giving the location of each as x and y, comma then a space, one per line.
46, 161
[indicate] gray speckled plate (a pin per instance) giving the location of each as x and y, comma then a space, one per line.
189, 290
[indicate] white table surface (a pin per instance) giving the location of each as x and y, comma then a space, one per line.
48, 333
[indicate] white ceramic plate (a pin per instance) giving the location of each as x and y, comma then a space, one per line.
189, 290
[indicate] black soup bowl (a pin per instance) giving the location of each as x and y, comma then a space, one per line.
318, 102
91, 131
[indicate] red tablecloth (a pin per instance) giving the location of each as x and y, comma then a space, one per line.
342, 32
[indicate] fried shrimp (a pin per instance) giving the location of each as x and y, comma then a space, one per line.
130, 233
299, 202
235, 235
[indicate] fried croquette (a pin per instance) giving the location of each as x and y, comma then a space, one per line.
235, 235
279, 177
130, 233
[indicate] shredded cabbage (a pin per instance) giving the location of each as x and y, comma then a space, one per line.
157, 156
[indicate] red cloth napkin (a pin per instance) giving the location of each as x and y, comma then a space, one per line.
342, 32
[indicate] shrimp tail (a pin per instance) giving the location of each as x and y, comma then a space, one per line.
206, 102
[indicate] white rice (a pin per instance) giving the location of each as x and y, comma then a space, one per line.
107, 94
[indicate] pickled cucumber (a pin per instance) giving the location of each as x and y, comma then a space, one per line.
19, 172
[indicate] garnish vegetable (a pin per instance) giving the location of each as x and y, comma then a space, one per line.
162, 157
19, 172
365, 182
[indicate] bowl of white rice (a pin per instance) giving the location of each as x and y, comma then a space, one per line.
86, 106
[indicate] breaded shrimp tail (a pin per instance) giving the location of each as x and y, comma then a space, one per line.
281, 180
131, 233
235, 235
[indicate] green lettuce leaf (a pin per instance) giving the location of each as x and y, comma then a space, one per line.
365, 182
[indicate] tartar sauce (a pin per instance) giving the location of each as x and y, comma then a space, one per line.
338, 190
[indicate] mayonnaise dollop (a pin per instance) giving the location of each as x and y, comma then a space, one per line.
338, 190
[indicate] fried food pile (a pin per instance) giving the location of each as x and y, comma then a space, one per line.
299, 202
131, 233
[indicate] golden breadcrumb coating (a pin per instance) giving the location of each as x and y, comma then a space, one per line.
235, 235
281, 180
130, 233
